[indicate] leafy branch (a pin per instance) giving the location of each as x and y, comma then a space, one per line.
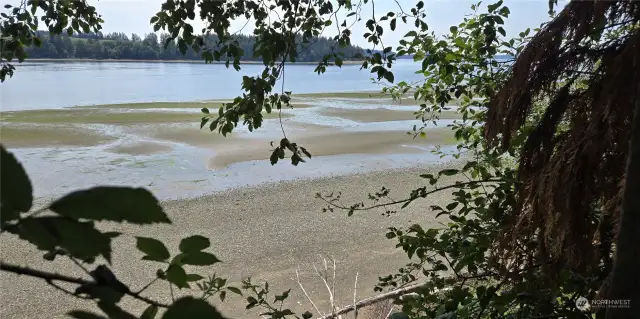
333, 201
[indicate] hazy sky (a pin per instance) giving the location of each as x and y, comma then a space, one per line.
132, 16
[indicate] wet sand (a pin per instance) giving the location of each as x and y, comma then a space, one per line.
264, 232
140, 148
380, 114
326, 142
19, 136
373, 115
108, 116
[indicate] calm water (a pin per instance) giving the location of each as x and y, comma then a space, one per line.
62, 84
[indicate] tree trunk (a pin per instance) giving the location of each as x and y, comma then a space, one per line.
625, 281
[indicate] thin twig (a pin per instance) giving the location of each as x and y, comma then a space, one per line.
389, 313
171, 291
333, 284
326, 284
147, 285
306, 294
58, 287
75, 261
48, 276
402, 201
355, 291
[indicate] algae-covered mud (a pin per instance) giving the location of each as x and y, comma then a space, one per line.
160, 144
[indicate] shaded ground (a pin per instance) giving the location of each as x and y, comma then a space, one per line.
264, 232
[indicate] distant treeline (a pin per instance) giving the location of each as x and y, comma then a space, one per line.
121, 46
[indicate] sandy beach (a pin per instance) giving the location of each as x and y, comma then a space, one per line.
263, 221
264, 232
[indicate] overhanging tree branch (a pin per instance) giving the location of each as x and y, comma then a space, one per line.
406, 201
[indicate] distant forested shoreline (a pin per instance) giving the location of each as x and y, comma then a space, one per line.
119, 46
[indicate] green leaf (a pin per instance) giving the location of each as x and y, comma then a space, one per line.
16, 193
80, 239
392, 24
79, 314
305, 152
194, 243
205, 110
153, 248
502, 31
504, 11
119, 204
203, 122
192, 308
199, 258
389, 76
176, 275
150, 312
411, 34
493, 7
213, 125
274, 157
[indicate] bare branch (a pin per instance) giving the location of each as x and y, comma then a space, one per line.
410, 199
50, 277
355, 290
306, 294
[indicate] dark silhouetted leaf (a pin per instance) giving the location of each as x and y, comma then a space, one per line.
194, 277
194, 243
203, 122
192, 308
114, 312
79, 314
150, 312
177, 276
119, 204
449, 172
16, 193
199, 258
80, 239
305, 152
235, 290
153, 248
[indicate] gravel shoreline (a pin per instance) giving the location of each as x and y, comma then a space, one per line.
263, 231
